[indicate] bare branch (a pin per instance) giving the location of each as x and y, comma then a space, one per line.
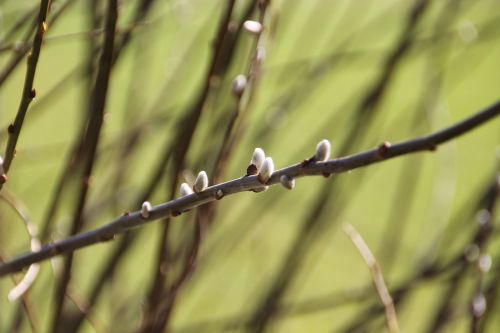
28, 91
247, 183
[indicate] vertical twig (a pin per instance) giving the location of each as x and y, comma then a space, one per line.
29, 92
179, 149
89, 146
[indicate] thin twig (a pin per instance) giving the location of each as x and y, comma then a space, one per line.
378, 278
89, 146
246, 183
28, 92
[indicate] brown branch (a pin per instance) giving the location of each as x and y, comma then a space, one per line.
89, 146
247, 183
28, 92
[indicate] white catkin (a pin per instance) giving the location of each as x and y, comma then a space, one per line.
201, 182
258, 158
288, 182
185, 189
323, 151
146, 209
239, 84
266, 171
253, 27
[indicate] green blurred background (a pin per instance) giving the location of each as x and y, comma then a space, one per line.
322, 59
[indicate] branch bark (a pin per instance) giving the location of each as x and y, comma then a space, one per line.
28, 93
247, 183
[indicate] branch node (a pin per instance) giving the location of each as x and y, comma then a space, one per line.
383, 148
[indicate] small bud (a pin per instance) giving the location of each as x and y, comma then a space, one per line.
239, 85
33, 93
253, 27
145, 209
219, 194
2, 171
252, 170
287, 181
185, 190
322, 151
266, 171
260, 53
383, 148
478, 305
201, 182
44, 27
484, 263
258, 158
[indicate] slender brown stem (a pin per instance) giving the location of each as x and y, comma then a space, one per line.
28, 92
89, 146
246, 183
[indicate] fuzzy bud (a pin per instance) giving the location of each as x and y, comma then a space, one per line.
253, 27
201, 182
288, 182
266, 171
239, 85
185, 190
258, 158
322, 151
219, 194
145, 209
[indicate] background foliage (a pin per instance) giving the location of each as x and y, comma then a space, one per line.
323, 62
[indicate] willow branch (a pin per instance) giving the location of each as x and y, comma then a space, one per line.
28, 92
248, 183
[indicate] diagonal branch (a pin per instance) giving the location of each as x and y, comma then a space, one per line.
247, 183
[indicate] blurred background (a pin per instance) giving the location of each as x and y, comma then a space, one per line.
354, 72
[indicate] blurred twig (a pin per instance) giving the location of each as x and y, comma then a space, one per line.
378, 278
29, 92
89, 146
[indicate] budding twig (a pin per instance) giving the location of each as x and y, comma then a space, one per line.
246, 183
